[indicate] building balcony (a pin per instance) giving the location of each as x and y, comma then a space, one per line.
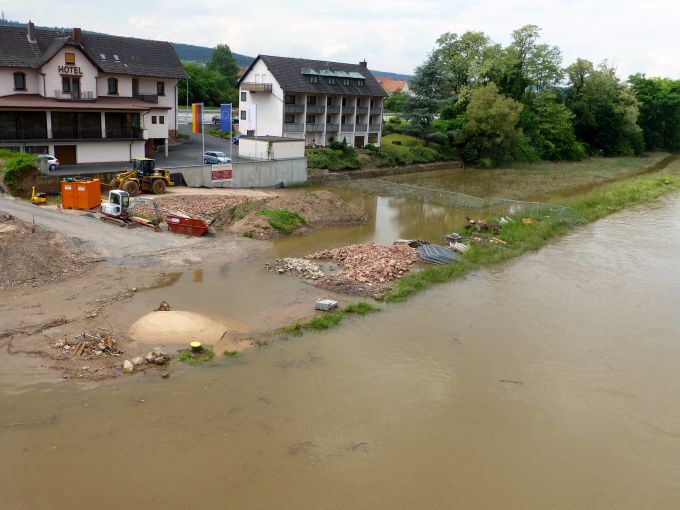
314, 128
332, 109
294, 108
376, 110
374, 128
76, 134
332, 128
315, 109
85, 95
124, 133
348, 110
360, 127
256, 87
37, 133
149, 98
362, 109
347, 128
293, 128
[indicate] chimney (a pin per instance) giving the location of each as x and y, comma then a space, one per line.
76, 35
31, 32
364, 64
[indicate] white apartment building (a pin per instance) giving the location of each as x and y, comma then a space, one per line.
86, 98
313, 100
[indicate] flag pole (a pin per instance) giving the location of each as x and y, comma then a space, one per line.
202, 131
231, 130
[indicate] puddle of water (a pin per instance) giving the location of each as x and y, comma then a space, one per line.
547, 382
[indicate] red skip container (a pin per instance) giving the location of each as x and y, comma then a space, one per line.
186, 225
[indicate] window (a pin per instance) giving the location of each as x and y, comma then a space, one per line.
344, 101
244, 96
161, 119
346, 81
311, 100
343, 119
328, 119
66, 85
102, 56
160, 88
289, 118
371, 103
153, 119
360, 83
243, 115
311, 119
313, 79
70, 86
288, 99
19, 81
70, 59
112, 86
115, 57
329, 101
331, 81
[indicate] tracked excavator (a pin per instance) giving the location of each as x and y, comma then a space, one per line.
117, 210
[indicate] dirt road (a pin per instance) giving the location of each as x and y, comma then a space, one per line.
87, 233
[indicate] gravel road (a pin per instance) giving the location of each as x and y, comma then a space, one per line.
88, 233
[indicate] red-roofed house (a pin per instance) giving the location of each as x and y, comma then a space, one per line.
392, 86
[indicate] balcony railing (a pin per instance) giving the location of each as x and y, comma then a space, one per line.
332, 128
348, 110
294, 128
314, 128
149, 98
256, 87
347, 128
123, 132
332, 109
362, 109
294, 108
84, 95
376, 110
35, 133
315, 109
361, 127
374, 127
76, 134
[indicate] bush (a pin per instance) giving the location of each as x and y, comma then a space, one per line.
19, 166
339, 159
282, 220
390, 156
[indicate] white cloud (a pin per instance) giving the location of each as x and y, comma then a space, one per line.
392, 35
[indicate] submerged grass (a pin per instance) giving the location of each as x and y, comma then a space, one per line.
186, 356
329, 319
521, 238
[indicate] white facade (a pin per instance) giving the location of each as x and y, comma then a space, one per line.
66, 106
258, 148
266, 109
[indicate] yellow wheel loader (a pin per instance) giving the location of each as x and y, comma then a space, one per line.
142, 177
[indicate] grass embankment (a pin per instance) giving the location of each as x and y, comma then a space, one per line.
395, 150
521, 238
329, 319
283, 220
534, 180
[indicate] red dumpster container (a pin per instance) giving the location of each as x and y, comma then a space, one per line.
180, 224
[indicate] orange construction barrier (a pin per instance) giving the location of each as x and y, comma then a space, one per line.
77, 194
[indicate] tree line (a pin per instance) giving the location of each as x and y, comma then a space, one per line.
496, 104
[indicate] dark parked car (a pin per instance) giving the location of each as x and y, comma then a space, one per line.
217, 118
234, 139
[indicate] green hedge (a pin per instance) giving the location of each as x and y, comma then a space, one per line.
18, 167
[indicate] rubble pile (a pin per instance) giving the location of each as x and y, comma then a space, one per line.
154, 357
371, 263
301, 267
91, 346
208, 205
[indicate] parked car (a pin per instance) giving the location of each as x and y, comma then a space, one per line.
216, 119
215, 157
52, 162
234, 139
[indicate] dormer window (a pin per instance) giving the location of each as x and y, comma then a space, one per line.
115, 57
19, 81
331, 81
346, 81
313, 79
360, 83
112, 86
102, 56
70, 59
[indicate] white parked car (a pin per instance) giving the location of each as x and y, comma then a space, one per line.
215, 157
52, 162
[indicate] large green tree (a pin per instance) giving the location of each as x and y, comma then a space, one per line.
491, 135
224, 63
207, 86
429, 91
659, 100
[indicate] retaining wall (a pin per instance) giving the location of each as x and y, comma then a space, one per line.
266, 174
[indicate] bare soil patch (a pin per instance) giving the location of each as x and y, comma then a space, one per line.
318, 208
30, 255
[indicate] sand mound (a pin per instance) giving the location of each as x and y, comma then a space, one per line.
179, 327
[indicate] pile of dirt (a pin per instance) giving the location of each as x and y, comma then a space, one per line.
32, 256
204, 205
318, 208
370, 263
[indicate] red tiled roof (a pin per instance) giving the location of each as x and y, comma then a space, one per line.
390, 85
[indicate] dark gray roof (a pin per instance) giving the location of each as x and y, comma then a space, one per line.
288, 72
138, 57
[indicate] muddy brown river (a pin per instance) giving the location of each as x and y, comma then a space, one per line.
552, 381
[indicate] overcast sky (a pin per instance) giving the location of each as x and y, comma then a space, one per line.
393, 35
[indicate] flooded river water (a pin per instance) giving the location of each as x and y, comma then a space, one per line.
551, 381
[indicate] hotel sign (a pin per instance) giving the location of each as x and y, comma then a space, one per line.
71, 70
